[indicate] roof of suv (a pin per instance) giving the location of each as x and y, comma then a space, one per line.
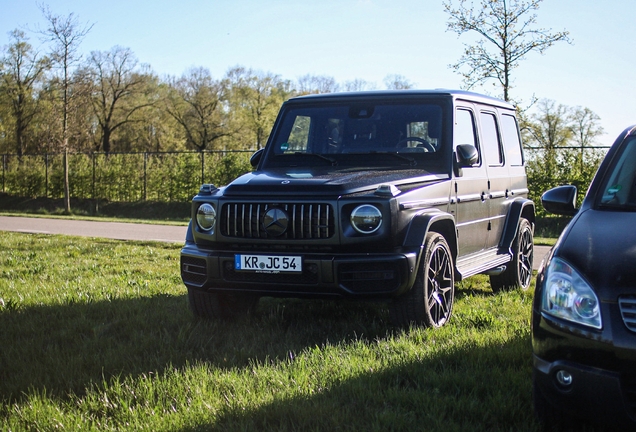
382, 94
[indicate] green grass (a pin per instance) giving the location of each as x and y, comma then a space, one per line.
96, 335
544, 241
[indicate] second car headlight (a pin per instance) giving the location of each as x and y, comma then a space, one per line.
366, 219
568, 296
206, 217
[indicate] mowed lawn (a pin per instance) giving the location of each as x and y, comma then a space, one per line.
96, 335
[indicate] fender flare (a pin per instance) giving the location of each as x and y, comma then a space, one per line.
519, 208
422, 222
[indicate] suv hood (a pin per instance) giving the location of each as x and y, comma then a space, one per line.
601, 244
326, 183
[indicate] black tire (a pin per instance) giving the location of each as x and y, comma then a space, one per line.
430, 301
518, 273
224, 306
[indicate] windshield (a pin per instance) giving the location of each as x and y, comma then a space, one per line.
619, 188
357, 134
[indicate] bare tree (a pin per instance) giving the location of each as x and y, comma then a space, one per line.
195, 102
119, 90
397, 82
550, 127
585, 130
310, 84
358, 84
254, 100
507, 33
66, 34
561, 142
24, 68
585, 127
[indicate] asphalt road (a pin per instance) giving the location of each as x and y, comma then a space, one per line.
126, 231
112, 230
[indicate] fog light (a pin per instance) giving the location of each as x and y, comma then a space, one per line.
564, 378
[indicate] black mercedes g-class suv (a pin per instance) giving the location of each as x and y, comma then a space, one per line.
374, 195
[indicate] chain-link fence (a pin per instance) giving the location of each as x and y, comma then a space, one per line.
125, 177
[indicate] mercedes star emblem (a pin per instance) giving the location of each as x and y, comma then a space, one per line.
275, 221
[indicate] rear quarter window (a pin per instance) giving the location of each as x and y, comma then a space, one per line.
490, 135
512, 142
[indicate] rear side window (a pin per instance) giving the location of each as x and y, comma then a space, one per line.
512, 142
490, 135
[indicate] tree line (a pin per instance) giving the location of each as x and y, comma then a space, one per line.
108, 101
53, 100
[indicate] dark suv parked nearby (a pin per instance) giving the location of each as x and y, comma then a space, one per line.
374, 195
584, 310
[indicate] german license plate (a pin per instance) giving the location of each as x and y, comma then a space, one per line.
268, 263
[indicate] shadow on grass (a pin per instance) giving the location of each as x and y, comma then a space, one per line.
460, 389
62, 350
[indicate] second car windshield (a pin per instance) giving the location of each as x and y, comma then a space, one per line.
413, 130
619, 188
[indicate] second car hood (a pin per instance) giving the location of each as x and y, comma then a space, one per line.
602, 246
320, 182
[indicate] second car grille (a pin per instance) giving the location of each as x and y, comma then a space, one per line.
305, 221
627, 305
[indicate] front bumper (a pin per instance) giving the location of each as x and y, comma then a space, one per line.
599, 395
323, 275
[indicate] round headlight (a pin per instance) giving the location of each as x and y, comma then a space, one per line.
366, 219
206, 217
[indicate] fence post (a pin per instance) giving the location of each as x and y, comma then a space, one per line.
93, 185
202, 166
4, 164
46, 175
145, 175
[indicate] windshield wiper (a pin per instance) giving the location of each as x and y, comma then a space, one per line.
410, 160
333, 162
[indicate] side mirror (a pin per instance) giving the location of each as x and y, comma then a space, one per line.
467, 155
560, 200
255, 159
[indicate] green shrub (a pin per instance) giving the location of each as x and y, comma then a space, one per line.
122, 177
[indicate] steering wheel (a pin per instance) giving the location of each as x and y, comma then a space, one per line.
425, 144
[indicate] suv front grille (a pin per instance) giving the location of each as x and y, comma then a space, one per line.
627, 305
306, 221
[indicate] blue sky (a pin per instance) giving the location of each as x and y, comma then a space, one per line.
366, 39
